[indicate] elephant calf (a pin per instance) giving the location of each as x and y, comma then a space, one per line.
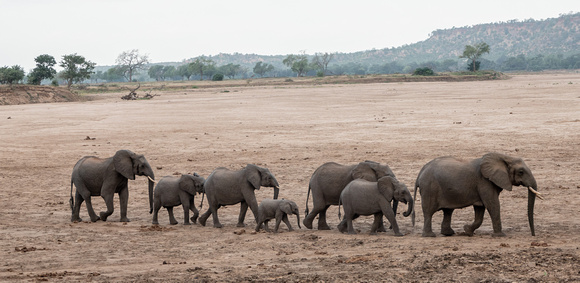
361, 197
279, 209
172, 191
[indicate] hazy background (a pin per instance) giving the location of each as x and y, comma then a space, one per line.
174, 30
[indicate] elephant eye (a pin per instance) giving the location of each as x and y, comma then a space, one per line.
521, 172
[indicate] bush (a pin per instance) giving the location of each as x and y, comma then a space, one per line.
320, 74
218, 77
423, 72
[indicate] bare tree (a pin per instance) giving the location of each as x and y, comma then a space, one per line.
130, 61
321, 61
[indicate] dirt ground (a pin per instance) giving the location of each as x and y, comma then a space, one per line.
292, 130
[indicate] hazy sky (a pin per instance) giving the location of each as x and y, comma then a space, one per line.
173, 30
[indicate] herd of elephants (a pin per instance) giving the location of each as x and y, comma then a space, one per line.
366, 188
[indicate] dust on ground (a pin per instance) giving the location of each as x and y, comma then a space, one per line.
292, 130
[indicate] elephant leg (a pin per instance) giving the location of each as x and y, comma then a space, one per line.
320, 210
156, 207
427, 218
390, 215
287, 222
278, 221
266, 225
479, 212
203, 218
250, 200
446, 224
342, 227
77, 208
322, 225
216, 220
172, 219
185, 206
491, 203
109, 202
194, 210
243, 211
376, 223
124, 200
395, 206
349, 226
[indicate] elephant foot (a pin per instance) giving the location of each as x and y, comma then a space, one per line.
498, 234
323, 227
186, 223
217, 225
241, 225
447, 231
398, 234
373, 233
103, 216
155, 222
307, 224
97, 219
468, 231
76, 219
428, 234
125, 219
194, 219
352, 232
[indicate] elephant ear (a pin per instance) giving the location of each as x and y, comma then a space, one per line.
253, 176
494, 167
286, 207
123, 162
187, 184
386, 187
364, 171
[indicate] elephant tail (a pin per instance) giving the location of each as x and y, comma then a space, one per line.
307, 196
339, 203
71, 201
414, 198
201, 204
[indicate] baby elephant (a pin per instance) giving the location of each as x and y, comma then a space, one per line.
279, 209
172, 191
361, 197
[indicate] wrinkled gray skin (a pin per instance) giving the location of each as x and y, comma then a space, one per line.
227, 187
93, 176
278, 209
447, 183
175, 190
361, 197
328, 181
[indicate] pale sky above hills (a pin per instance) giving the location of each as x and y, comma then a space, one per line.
173, 30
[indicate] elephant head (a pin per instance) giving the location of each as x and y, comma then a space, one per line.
371, 171
391, 188
506, 171
129, 164
258, 176
290, 207
191, 184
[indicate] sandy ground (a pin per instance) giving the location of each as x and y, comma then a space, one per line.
292, 130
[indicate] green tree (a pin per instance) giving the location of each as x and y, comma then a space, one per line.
156, 72
230, 70
473, 53
185, 71
131, 61
201, 65
297, 63
76, 69
44, 69
262, 68
113, 75
10, 75
320, 61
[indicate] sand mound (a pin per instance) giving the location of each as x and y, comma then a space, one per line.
24, 94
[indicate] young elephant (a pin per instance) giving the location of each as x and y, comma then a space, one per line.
172, 191
361, 197
279, 209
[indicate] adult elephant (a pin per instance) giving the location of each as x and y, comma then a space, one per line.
93, 176
448, 183
328, 181
227, 187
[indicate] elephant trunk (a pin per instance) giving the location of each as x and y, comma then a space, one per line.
151, 186
298, 219
410, 204
531, 201
276, 191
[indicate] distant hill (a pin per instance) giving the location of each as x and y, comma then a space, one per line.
529, 37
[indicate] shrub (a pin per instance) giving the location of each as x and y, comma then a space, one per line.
218, 77
423, 72
320, 74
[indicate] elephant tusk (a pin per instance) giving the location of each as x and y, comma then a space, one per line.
156, 182
537, 193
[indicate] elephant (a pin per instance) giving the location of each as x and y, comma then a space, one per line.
328, 181
172, 191
93, 176
447, 183
279, 209
361, 197
227, 187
